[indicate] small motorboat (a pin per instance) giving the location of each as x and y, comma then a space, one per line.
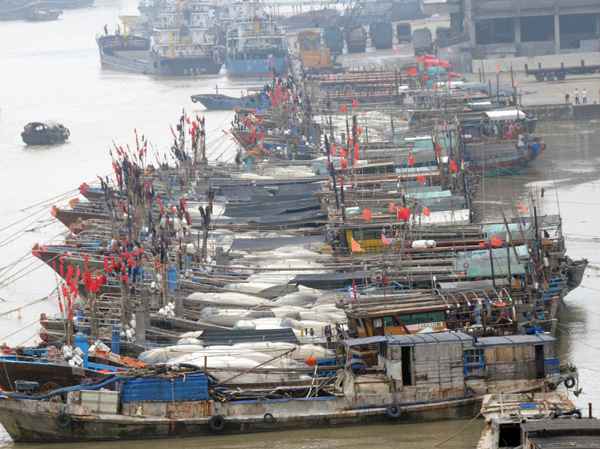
39, 15
44, 133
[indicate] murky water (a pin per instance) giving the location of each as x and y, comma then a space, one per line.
52, 71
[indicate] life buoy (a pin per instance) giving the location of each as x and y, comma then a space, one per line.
268, 418
217, 423
63, 420
393, 411
570, 382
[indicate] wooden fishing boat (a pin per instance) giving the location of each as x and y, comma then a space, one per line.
44, 133
405, 379
506, 413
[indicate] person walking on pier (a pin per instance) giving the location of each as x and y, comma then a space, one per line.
584, 96
576, 96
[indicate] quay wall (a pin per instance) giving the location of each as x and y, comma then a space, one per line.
553, 112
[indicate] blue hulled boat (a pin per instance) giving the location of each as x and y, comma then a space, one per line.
255, 45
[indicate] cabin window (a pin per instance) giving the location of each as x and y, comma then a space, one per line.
474, 363
389, 321
418, 318
377, 322
436, 316
366, 235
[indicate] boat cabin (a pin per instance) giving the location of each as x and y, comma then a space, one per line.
452, 359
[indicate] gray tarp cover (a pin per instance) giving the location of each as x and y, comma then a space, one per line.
330, 280
276, 242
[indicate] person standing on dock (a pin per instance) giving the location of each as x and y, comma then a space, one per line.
576, 96
584, 96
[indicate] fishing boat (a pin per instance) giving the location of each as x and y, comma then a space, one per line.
15, 10
218, 101
67, 4
255, 45
182, 44
396, 379
38, 15
44, 133
506, 413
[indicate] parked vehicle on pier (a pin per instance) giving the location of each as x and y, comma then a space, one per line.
560, 73
356, 39
403, 32
382, 35
422, 41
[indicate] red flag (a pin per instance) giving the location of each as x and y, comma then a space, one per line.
496, 241
392, 207
85, 257
524, 209
383, 278
412, 71
366, 214
343, 152
421, 179
426, 211
452, 165
355, 246
426, 77
438, 148
343, 108
411, 160
333, 149
497, 65
355, 103
403, 213
344, 166
421, 58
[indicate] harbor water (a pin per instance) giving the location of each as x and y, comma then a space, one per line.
51, 70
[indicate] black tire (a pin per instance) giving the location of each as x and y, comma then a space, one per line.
561, 75
268, 418
63, 420
217, 423
54, 138
570, 382
539, 76
393, 411
550, 76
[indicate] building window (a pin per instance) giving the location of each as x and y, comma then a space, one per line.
495, 31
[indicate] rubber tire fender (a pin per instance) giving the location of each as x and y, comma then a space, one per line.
268, 418
63, 420
217, 423
393, 411
570, 382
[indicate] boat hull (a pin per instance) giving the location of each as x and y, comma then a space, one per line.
254, 68
140, 58
26, 421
